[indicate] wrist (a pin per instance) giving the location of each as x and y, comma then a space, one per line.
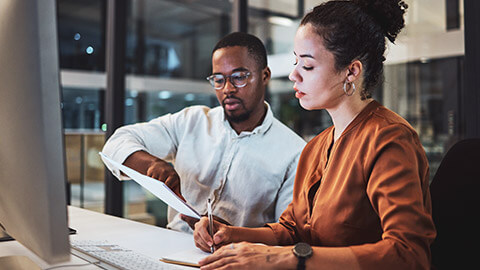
303, 252
283, 258
234, 234
291, 261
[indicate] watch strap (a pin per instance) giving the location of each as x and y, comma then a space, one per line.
301, 263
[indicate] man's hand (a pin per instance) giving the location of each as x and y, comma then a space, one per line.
161, 170
190, 220
156, 168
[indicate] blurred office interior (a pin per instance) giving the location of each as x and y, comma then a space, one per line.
167, 57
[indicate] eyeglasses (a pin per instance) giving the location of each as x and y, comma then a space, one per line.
238, 79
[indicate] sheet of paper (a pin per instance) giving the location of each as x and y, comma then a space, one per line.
186, 257
157, 188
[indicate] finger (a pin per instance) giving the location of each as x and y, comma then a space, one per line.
201, 232
219, 238
222, 236
217, 261
173, 182
204, 230
200, 242
190, 220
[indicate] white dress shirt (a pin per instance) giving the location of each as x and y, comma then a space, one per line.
249, 176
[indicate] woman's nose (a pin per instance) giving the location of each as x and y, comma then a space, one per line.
293, 76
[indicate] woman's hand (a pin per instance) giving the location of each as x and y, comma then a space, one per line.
202, 237
250, 256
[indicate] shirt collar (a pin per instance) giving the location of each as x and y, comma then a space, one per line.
262, 128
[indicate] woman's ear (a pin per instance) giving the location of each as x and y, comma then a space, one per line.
354, 70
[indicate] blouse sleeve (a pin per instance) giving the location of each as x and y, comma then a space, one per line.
397, 187
285, 230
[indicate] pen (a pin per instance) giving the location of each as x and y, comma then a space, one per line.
210, 223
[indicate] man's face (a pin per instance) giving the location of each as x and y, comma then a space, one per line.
239, 103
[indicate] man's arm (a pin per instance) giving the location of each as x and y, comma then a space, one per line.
285, 193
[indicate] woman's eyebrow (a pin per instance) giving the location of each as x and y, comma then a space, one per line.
304, 55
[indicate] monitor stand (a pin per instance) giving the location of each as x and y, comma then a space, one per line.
4, 236
14, 262
17, 263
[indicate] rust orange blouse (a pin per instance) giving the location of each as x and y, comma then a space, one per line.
369, 191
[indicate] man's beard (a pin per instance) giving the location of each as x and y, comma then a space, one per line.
236, 118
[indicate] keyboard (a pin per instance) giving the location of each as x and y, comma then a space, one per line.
110, 256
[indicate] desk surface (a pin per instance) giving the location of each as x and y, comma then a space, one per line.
146, 239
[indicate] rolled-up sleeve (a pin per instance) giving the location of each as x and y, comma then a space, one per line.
159, 137
285, 229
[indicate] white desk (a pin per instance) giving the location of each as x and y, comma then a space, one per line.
146, 239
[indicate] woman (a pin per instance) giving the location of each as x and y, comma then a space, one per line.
361, 197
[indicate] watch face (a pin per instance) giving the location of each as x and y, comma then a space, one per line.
303, 250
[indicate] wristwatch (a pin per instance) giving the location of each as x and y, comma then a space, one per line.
302, 251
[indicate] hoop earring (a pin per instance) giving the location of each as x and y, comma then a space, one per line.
345, 88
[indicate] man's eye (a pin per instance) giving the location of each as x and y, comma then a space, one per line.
307, 68
219, 80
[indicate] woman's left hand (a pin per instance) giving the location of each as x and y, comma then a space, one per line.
250, 256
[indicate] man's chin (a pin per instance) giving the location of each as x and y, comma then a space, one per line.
236, 118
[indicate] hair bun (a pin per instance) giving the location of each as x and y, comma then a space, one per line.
387, 13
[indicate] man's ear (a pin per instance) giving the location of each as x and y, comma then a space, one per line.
354, 70
266, 75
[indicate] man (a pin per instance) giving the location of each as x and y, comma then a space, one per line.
237, 154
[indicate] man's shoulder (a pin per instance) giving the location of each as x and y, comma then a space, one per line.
200, 111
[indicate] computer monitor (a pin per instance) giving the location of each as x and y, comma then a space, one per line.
32, 169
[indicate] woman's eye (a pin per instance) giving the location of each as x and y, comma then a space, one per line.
307, 68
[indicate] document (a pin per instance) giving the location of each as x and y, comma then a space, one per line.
186, 257
156, 187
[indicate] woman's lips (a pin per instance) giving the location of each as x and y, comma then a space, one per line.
298, 93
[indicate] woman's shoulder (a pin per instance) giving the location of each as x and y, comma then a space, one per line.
321, 139
383, 117
386, 125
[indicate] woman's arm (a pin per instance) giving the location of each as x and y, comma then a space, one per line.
248, 255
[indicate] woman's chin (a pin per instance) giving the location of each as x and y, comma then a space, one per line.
306, 105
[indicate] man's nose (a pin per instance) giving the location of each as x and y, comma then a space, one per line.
229, 87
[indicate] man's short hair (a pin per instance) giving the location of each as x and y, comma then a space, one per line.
253, 44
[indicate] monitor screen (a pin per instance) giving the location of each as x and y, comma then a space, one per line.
32, 171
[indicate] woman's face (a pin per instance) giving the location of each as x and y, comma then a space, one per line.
317, 84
